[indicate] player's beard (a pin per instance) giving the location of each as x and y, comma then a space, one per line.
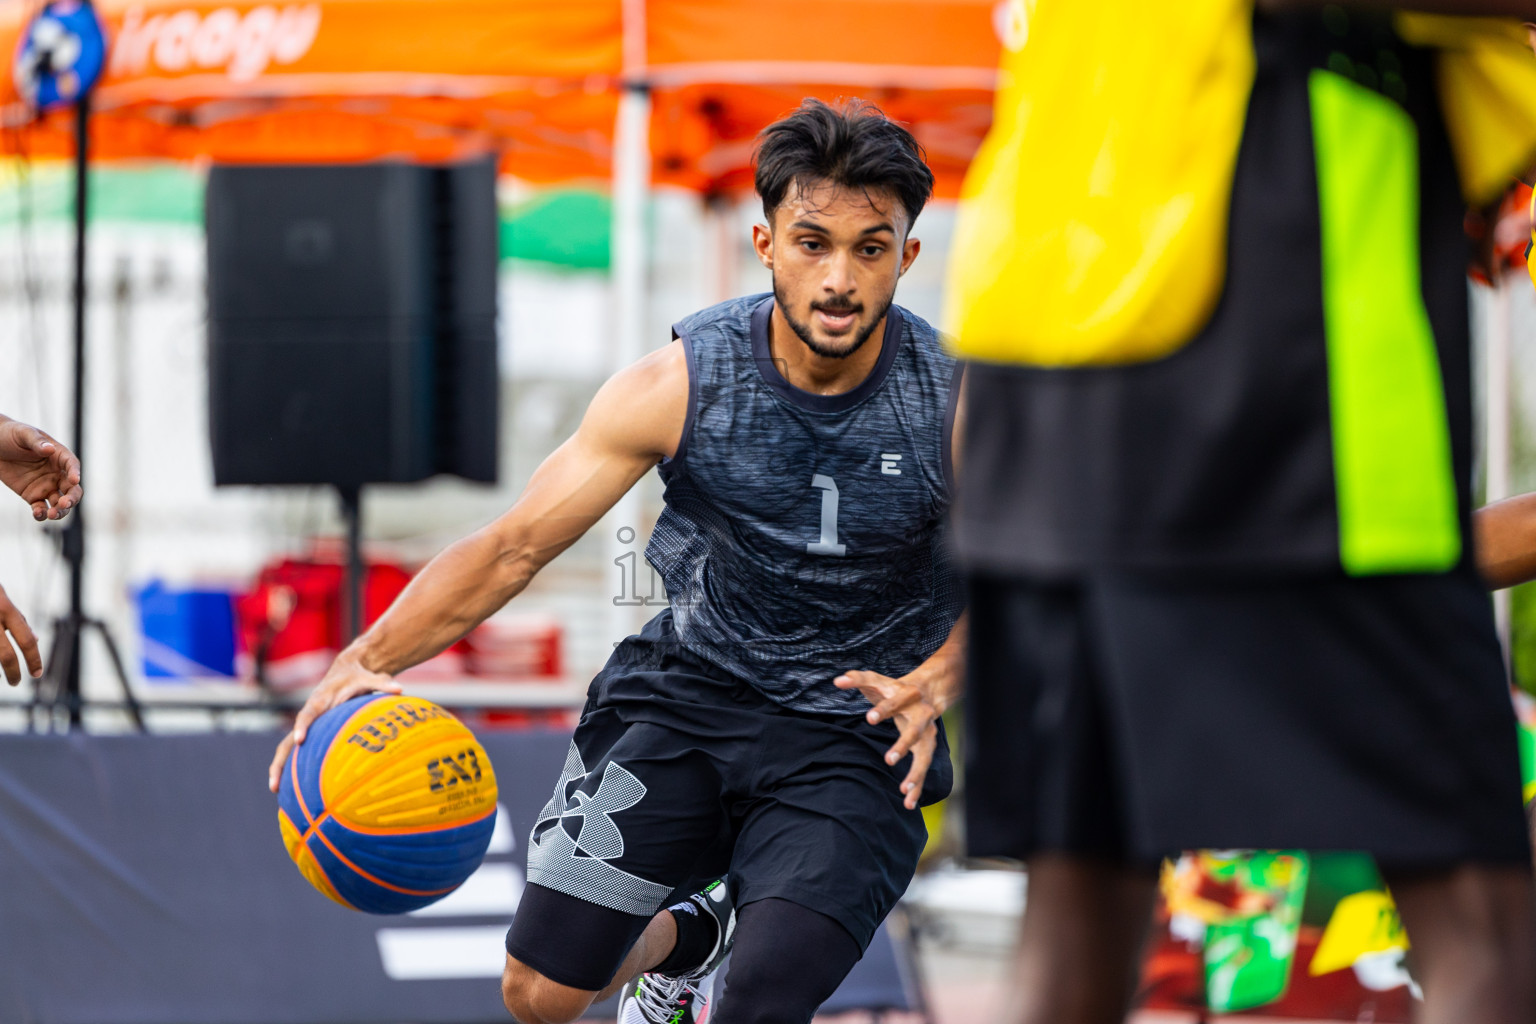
803, 330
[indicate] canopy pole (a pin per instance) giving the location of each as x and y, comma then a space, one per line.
1496, 449
631, 190
721, 220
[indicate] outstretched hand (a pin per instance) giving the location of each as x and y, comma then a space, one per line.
914, 712
44, 472
347, 678
13, 623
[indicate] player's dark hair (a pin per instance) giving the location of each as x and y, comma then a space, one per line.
853, 145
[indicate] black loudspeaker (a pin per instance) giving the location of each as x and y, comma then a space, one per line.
352, 322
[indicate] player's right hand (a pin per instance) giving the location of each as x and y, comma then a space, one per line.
14, 630
346, 678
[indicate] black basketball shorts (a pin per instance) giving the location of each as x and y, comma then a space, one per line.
1131, 717
679, 773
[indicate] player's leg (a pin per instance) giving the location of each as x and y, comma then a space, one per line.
1079, 951
1473, 930
1344, 713
675, 939
787, 961
533, 997
632, 814
1048, 783
671, 982
823, 850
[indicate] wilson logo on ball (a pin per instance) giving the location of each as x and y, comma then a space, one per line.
388, 804
378, 731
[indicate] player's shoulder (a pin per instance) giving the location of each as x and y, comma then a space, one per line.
732, 315
656, 377
927, 348
642, 408
665, 367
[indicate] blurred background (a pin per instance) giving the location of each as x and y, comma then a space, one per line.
620, 135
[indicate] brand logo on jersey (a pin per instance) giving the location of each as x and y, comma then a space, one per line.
888, 465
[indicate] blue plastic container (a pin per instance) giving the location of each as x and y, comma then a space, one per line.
186, 634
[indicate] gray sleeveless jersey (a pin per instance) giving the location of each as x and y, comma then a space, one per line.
803, 534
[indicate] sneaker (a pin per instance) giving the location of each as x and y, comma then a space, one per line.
663, 999
656, 998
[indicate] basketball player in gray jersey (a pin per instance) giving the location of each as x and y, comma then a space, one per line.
804, 440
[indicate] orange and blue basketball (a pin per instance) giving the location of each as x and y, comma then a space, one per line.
388, 804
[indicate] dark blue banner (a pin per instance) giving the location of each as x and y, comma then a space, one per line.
143, 881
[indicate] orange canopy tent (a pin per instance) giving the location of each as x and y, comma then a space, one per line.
537, 81
632, 91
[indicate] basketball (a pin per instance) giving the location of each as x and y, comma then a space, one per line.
388, 804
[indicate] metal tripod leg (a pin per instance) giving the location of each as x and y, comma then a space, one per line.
50, 690
54, 689
129, 700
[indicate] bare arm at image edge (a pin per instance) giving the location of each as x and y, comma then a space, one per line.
1505, 533
635, 420
42, 471
46, 475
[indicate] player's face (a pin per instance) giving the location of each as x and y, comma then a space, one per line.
836, 256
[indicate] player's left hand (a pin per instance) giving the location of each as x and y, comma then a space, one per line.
44, 472
914, 712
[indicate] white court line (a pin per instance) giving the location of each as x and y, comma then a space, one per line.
420, 954
492, 891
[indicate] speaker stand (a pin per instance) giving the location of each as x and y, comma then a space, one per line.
352, 513
61, 679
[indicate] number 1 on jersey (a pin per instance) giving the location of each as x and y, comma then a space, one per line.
828, 544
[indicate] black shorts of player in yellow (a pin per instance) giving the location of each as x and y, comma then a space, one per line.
1128, 717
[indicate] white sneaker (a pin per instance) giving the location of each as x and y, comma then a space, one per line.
657, 998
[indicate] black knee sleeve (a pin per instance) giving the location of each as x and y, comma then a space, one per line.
786, 962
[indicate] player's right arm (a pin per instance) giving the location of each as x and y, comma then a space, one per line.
635, 420
41, 470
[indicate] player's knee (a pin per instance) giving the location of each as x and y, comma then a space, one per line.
532, 998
